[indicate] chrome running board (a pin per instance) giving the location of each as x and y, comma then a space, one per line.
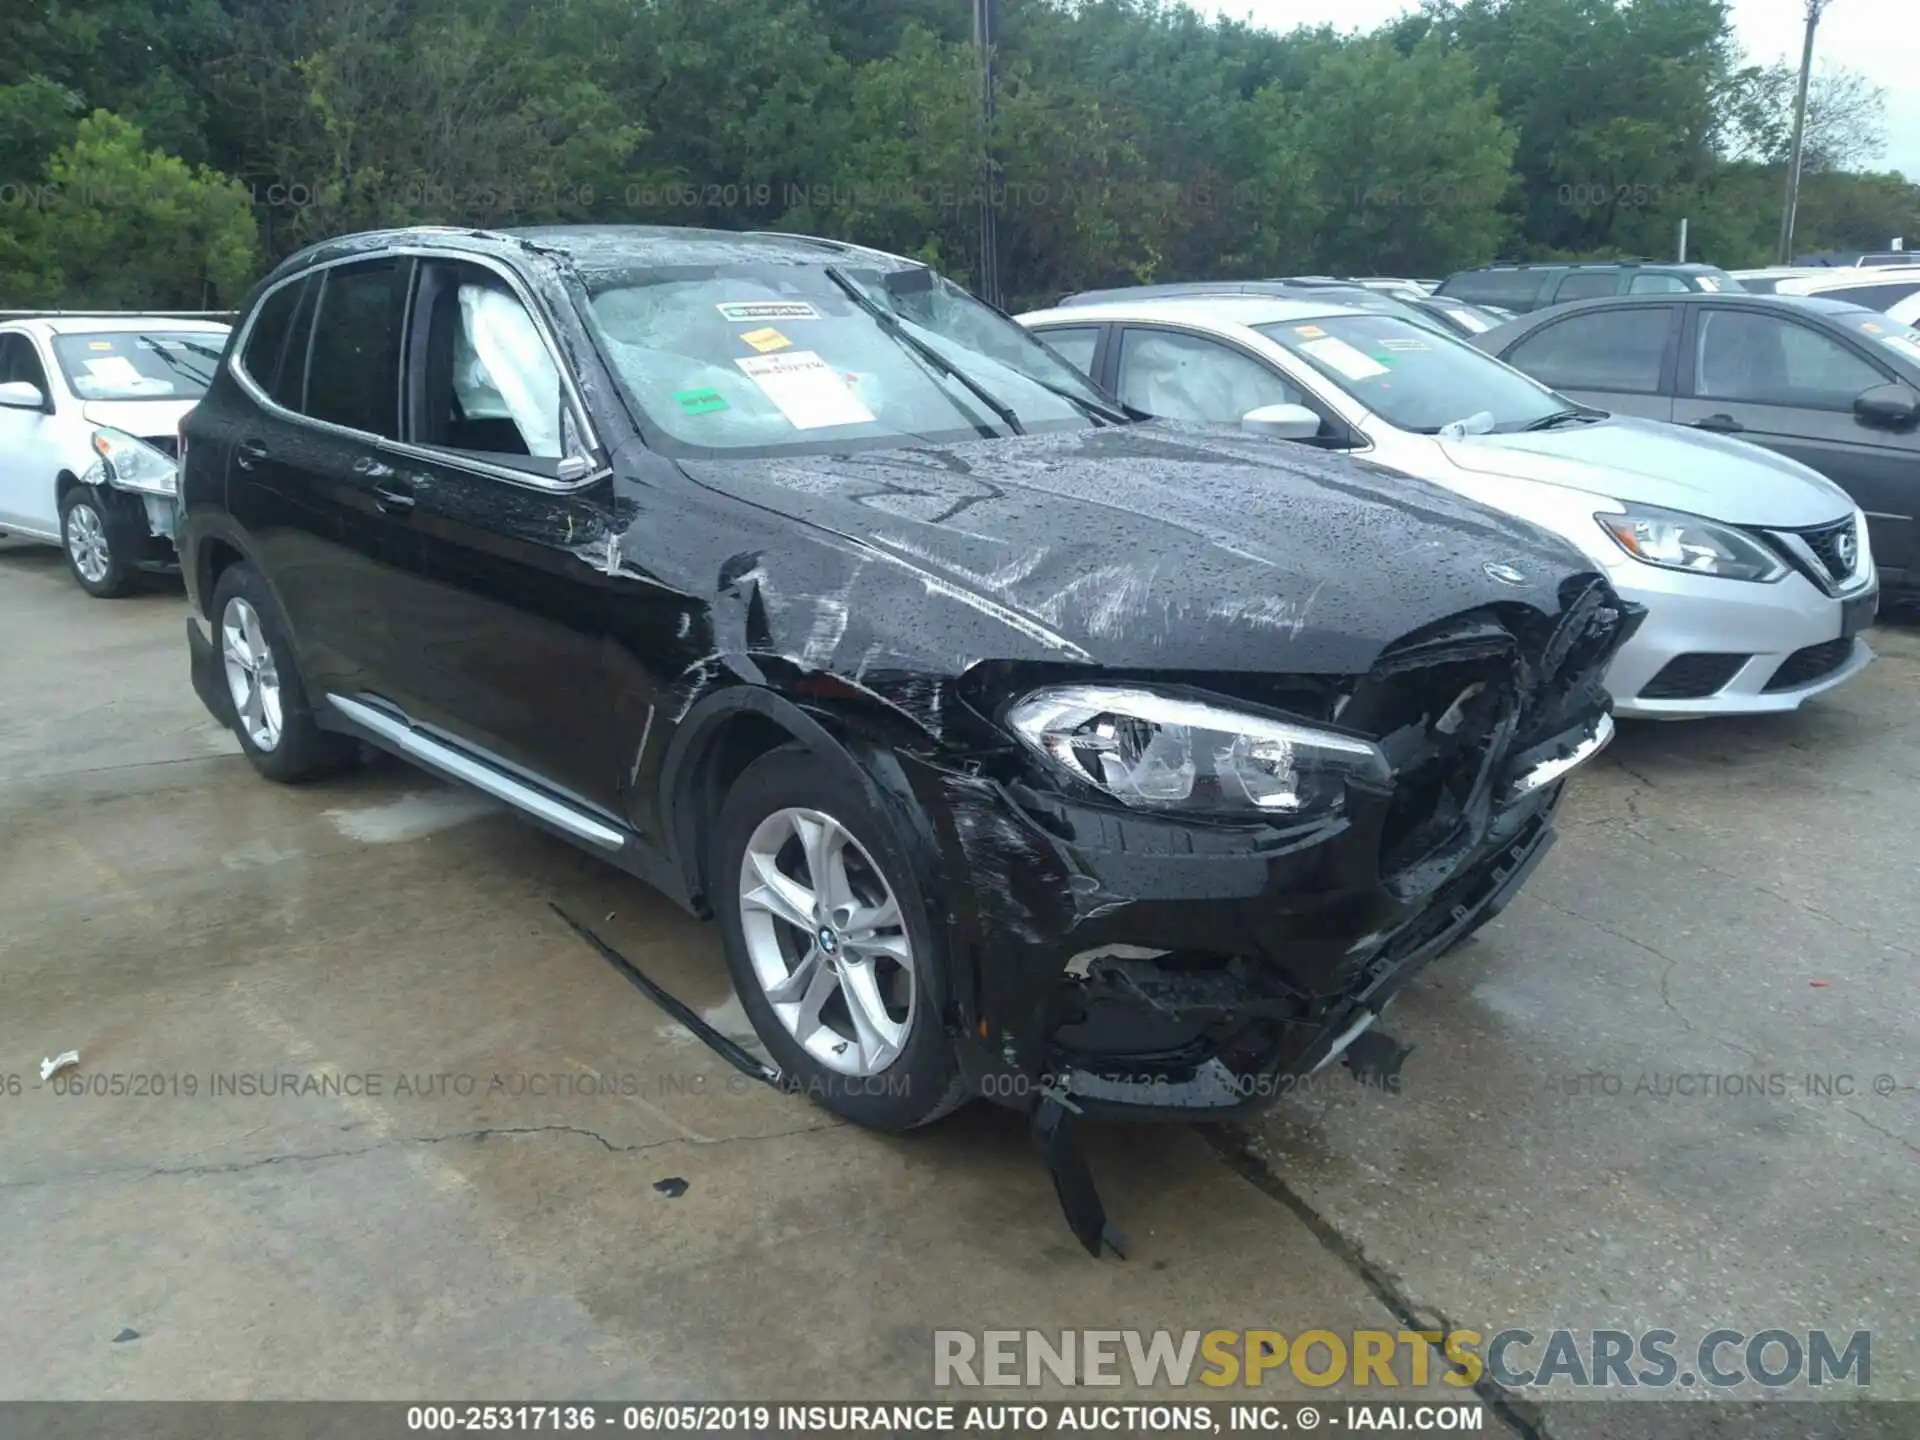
432, 754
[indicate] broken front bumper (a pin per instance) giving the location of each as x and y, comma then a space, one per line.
1156, 969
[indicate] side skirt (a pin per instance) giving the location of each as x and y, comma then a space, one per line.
598, 832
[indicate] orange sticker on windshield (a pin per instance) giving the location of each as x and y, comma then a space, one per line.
766, 340
1312, 332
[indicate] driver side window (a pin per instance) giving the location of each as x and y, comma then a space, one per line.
1188, 377
20, 363
486, 384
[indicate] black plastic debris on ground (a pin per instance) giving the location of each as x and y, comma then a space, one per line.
673, 1187
734, 1054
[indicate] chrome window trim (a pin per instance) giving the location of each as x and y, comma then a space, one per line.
575, 399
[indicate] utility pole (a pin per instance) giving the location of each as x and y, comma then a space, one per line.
986, 33
1789, 211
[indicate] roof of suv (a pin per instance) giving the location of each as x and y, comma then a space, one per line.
603, 247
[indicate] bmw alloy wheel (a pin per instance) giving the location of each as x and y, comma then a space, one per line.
253, 680
87, 543
827, 941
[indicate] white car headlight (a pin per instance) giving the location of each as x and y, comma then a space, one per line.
1160, 752
127, 463
1673, 540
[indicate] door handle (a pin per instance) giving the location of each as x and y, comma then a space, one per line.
393, 497
249, 453
1723, 423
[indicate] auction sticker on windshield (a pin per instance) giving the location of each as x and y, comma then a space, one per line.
809, 392
1341, 356
741, 311
766, 340
699, 402
119, 371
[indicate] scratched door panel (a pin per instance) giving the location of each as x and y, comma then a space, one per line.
505, 619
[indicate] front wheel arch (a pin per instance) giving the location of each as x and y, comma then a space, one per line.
726, 732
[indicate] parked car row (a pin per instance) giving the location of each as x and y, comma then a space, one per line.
1021, 744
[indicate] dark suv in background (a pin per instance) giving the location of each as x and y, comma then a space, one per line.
1009, 739
1523, 287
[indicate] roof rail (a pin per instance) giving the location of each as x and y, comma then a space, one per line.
845, 246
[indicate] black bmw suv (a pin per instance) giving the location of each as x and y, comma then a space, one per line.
1013, 741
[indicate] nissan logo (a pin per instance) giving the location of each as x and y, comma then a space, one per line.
1505, 574
1847, 551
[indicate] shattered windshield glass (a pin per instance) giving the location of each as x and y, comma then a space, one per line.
769, 358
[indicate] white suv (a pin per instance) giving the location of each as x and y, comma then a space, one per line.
90, 407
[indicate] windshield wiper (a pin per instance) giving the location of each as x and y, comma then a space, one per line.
893, 325
202, 377
1101, 414
1561, 417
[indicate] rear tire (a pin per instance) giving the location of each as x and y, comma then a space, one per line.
271, 714
94, 542
843, 975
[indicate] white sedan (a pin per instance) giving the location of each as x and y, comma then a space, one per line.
90, 407
1756, 571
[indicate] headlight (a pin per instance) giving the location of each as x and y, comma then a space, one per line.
129, 464
1676, 541
1158, 752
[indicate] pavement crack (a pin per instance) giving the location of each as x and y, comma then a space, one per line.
476, 1135
1234, 1146
1882, 1130
1669, 964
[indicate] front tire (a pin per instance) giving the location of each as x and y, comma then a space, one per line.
829, 944
94, 544
271, 715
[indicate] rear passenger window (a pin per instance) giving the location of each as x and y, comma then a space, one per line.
1619, 350
266, 346
1587, 285
353, 367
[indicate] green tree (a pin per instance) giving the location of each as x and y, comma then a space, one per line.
122, 226
1412, 158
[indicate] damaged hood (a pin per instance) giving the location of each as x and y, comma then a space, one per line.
143, 419
1140, 546
1646, 462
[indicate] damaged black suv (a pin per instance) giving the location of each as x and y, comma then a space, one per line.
1020, 747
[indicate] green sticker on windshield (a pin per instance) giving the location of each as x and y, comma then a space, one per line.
699, 402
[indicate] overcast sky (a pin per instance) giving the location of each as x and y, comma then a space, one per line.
1871, 36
